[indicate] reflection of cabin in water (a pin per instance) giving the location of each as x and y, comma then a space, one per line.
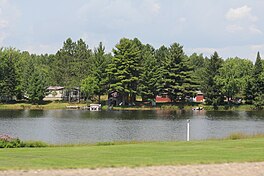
114, 98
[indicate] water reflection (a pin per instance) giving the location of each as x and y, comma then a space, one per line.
77, 126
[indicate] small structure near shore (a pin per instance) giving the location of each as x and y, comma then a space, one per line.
72, 107
95, 107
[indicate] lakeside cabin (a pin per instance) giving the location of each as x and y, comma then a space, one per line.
54, 93
59, 93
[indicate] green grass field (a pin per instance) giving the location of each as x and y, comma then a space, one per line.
132, 155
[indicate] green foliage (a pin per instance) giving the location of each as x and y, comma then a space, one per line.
37, 86
72, 64
125, 68
134, 69
210, 87
8, 79
33, 144
7, 141
177, 74
258, 83
233, 76
198, 62
149, 79
89, 86
100, 62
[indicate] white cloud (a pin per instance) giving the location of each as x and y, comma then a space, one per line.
119, 13
257, 47
205, 51
3, 36
182, 19
8, 16
242, 51
3, 24
243, 12
42, 48
234, 28
242, 21
155, 7
254, 30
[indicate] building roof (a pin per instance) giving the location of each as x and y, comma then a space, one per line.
55, 88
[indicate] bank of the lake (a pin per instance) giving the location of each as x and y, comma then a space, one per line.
63, 105
134, 155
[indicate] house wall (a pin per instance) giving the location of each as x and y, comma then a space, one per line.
199, 98
163, 99
54, 95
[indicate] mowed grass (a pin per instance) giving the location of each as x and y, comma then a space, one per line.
133, 155
48, 105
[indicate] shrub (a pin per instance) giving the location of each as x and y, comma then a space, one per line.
236, 136
33, 144
7, 141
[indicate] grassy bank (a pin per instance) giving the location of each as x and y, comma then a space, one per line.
46, 105
141, 154
163, 106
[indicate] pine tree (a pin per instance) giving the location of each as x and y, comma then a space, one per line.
124, 70
210, 88
150, 77
177, 74
100, 63
8, 80
258, 83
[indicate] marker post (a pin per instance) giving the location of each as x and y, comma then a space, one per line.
188, 130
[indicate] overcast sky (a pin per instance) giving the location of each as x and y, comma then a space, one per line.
230, 27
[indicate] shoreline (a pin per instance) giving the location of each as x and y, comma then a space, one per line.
63, 106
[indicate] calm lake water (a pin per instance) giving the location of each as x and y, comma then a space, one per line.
78, 126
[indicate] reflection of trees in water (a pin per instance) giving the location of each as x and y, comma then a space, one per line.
35, 113
174, 115
11, 113
223, 115
255, 115
234, 115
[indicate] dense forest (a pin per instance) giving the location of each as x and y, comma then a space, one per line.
132, 69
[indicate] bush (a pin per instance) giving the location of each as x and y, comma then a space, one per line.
7, 141
33, 144
236, 136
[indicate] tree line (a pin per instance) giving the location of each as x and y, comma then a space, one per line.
131, 69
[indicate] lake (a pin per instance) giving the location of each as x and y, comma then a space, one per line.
80, 126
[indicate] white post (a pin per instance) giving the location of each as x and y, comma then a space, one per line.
188, 130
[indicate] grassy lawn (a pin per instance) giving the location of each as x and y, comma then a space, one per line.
141, 154
48, 105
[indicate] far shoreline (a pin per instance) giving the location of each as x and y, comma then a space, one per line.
171, 107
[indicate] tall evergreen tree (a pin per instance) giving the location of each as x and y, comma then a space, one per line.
177, 74
8, 80
150, 77
258, 83
100, 62
210, 88
124, 69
